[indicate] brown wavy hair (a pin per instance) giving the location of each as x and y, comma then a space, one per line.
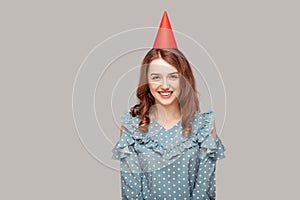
188, 97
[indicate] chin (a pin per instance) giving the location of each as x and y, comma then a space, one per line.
165, 102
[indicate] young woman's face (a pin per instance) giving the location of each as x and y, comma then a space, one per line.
163, 81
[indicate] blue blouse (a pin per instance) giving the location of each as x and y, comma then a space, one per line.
164, 164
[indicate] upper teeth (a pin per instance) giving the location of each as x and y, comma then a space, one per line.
165, 93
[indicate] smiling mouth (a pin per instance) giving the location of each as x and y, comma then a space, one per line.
165, 94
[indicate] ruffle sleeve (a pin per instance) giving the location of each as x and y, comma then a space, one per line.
125, 145
131, 180
149, 154
211, 150
208, 145
142, 153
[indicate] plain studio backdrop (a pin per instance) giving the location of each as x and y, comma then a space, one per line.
50, 152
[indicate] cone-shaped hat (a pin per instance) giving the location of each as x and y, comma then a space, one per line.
165, 37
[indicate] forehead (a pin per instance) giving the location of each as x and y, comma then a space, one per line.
161, 66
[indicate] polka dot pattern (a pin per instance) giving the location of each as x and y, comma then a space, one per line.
166, 165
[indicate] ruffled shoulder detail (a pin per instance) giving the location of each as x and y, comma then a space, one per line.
125, 145
208, 145
129, 122
151, 155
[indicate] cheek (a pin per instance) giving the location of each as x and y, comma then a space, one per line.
177, 88
175, 84
152, 87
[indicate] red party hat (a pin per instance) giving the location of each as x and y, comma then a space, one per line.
165, 37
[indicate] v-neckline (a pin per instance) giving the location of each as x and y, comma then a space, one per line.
163, 126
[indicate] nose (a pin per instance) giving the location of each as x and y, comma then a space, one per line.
165, 84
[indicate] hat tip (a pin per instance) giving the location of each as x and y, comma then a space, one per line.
165, 37
165, 13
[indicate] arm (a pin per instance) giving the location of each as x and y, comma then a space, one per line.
205, 183
214, 132
121, 130
131, 184
212, 150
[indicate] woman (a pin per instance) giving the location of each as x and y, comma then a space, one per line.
167, 149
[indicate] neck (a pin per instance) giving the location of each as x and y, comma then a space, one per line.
167, 113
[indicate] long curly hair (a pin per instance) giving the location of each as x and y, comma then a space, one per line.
188, 97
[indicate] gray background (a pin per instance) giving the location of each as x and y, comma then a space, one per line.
254, 43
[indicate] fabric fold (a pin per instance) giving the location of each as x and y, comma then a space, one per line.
209, 146
147, 160
123, 147
152, 155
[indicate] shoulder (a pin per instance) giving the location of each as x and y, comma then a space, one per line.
126, 118
128, 122
207, 136
203, 122
204, 116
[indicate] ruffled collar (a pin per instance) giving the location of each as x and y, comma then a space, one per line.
131, 123
134, 144
202, 124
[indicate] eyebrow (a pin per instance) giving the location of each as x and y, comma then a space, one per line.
159, 73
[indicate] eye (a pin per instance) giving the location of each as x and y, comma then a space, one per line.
155, 77
173, 77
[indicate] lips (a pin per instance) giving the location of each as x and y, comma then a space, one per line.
165, 94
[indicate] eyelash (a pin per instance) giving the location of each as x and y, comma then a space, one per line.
157, 77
